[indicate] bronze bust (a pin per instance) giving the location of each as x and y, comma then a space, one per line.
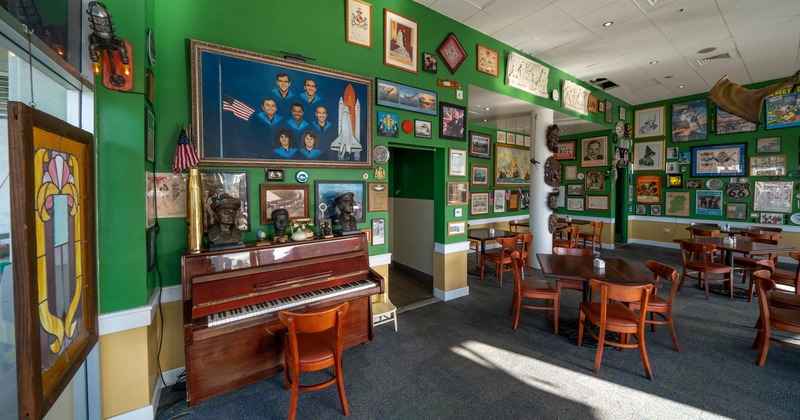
224, 229
344, 206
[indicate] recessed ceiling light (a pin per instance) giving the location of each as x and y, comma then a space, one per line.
681, 86
654, 62
669, 77
607, 24
487, 108
484, 120
707, 50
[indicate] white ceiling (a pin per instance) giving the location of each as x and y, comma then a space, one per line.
762, 37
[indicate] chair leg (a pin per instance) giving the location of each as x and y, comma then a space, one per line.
762, 352
556, 305
293, 399
581, 320
683, 278
652, 324
750, 289
672, 331
340, 385
730, 283
518, 304
513, 303
643, 351
706, 286
599, 355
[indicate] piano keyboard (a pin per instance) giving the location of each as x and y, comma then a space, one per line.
288, 302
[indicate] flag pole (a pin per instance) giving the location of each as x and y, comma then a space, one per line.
219, 76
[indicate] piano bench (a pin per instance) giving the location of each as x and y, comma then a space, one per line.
383, 312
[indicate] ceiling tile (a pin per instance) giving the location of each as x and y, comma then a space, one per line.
624, 30
641, 84
425, 2
654, 93
770, 68
511, 36
455, 9
542, 21
709, 37
578, 8
566, 33
534, 47
638, 43
626, 96
510, 11
663, 51
617, 12
735, 69
748, 16
551, 57
485, 23
698, 16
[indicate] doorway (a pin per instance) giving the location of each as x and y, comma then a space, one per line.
621, 210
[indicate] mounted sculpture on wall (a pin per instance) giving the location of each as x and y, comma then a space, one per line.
552, 172
552, 200
552, 138
743, 102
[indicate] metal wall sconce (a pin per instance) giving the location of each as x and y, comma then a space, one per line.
116, 67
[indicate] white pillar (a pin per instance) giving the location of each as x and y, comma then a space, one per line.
539, 213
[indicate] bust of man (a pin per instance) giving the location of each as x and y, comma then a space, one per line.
224, 230
344, 203
280, 220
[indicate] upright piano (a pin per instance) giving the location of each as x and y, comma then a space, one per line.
232, 334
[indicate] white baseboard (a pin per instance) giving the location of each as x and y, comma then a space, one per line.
453, 294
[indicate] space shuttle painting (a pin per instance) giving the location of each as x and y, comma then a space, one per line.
349, 140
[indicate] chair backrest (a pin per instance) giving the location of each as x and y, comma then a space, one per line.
513, 225
526, 239
579, 252
796, 256
507, 245
700, 252
314, 322
765, 286
572, 234
622, 293
695, 232
766, 228
517, 265
597, 228
703, 224
771, 236
665, 272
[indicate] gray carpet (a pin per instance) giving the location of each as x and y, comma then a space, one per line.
461, 359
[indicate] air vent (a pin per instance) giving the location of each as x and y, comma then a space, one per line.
3, 95
603, 83
703, 61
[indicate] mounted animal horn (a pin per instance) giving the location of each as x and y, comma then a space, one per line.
743, 102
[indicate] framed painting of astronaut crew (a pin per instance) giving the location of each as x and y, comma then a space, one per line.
251, 109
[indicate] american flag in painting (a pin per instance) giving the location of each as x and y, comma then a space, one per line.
239, 109
185, 154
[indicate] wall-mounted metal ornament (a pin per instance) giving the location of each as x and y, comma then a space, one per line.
552, 200
380, 173
552, 172
552, 138
552, 221
737, 190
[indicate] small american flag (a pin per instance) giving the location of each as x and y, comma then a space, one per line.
185, 154
239, 109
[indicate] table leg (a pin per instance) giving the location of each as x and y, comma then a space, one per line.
587, 292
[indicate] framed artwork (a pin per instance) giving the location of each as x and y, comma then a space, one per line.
575, 97
736, 211
150, 89
457, 193
655, 209
694, 184
594, 180
378, 196
358, 21
772, 165
768, 145
641, 209
622, 113
773, 196
649, 122
149, 134
648, 189
387, 124
378, 232
525, 199
274, 175
520, 140
684, 158
672, 168
501, 136
728, 123
528, 75
782, 110
609, 112
771, 218
677, 203
422, 129
595, 151
675, 181
479, 175
601, 106
430, 63
368, 231
458, 162
648, 156
527, 141
409, 98
292, 197
513, 200
690, 120
574, 189
708, 202
721, 160
499, 201
598, 202
327, 191
170, 195
54, 276
479, 203
672, 152
570, 172
456, 228
511, 165
452, 121
562, 195
480, 144
591, 104
488, 60
232, 131
452, 53
575, 204
511, 139
217, 185
566, 150
399, 41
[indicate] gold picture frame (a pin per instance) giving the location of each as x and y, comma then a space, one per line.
400, 43
488, 61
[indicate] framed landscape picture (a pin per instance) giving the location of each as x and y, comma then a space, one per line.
292, 197
649, 122
768, 145
399, 41
409, 98
511, 165
479, 175
736, 211
480, 145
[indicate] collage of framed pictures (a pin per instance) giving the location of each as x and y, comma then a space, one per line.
480, 144
399, 41
409, 98
648, 122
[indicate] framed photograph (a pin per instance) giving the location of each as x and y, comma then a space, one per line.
457, 193
525, 198
684, 158
678, 203
601, 106
527, 75
358, 21
520, 140
54, 259
274, 175
399, 41
387, 124
501, 136
591, 104
292, 197
594, 180
456, 228
378, 232
378, 196
609, 112
150, 89
513, 200
772, 165
649, 122
452, 121
458, 162
728, 123
566, 150
655, 209
782, 110
694, 184
648, 156
511, 139
149, 134
574, 189
511, 166
488, 60
430, 63
622, 113
690, 120
575, 204
326, 193
720, 160
570, 172
672, 168
368, 231
648, 189
422, 129
736, 211
452, 53
499, 201
773, 196
672, 152
595, 151
253, 125
768, 145
479, 203
480, 144
217, 185
641, 209
771, 218
708, 202
479, 175
598, 202
409, 98
527, 141
675, 181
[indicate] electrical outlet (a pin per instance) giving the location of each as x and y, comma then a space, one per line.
665, 230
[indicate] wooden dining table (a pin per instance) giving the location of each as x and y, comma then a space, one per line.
733, 231
743, 247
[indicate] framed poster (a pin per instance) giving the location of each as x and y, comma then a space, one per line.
327, 191
292, 197
649, 122
570, 172
399, 41
768, 145
170, 195
422, 129
736, 211
511, 165
574, 189
648, 189
594, 181
677, 203
358, 21
708, 202
409, 98
728, 123
244, 112
479, 203
566, 150
457, 193
499, 201
501, 136
575, 204
782, 110
526, 74
458, 162
378, 196
452, 121
773, 196
149, 135
217, 185
648, 156
721, 160
378, 232
595, 151
480, 144
452, 52
456, 228
488, 60
598, 202
479, 175
690, 120
609, 112
772, 165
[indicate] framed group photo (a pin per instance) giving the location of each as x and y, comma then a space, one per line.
399, 41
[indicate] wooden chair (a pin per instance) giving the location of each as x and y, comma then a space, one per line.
695, 232
500, 259
314, 342
616, 317
760, 265
789, 279
562, 284
596, 237
772, 317
513, 225
384, 311
745, 263
697, 264
657, 304
766, 229
572, 238
525, 241
533, 289
476, 245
